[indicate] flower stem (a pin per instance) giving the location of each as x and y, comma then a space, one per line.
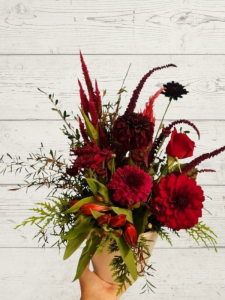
160, 125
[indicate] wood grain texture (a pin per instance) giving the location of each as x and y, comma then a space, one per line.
130, 26
20, 76
38, 274
15, 205
21, 138
39, 46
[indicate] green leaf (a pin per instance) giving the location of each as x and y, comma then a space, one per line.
98, 188
75, 231
123, 211
74, 244
77, 206
89, 250
141, 215
128, 256
92, 185
112, 166
92, 132
96, 214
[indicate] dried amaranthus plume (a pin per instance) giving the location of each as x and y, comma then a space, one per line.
83, 98
148, 111
136, 92
169, 127
188, 167
157, 144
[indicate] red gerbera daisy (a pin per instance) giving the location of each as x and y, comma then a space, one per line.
178, 202
131, 185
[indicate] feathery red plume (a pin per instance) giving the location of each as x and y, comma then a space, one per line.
83, 131
188, 167
93, 111
138, 89
148, 111
83, 98
86, 75
98, 99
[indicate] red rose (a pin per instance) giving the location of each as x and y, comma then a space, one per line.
178, 202
180, 145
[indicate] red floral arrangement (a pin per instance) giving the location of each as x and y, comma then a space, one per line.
117, 186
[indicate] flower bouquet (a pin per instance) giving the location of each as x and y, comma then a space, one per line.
123, 186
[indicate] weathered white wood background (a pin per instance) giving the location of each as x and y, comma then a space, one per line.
39, 44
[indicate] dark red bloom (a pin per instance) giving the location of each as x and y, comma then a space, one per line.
130, 234
131, 185
178, 202
180, 145
86, 208
118, 221
133, 131
90, 156
104, 219
73, 202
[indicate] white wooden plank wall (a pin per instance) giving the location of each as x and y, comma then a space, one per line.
39, 44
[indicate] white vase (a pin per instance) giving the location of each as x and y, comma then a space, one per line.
101, 261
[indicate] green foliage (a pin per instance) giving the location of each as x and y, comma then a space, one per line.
121, 273
47, 213
123, 211
92, 132
79, 233
78, 205
165, 236
141, 215
128, 256
87, 253
201, 232
98, 188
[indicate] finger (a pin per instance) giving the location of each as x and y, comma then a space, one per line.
85, 272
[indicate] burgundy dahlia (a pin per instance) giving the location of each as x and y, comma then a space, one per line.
131, 185
133, 131
178, 202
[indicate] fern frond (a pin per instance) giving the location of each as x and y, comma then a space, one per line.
201, 232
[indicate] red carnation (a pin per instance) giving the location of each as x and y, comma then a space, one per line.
133, 131
131, 185
180, 145
178, 202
